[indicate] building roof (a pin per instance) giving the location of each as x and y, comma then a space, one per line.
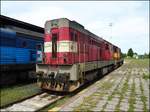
10, 21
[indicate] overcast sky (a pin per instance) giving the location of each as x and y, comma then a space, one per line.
125, 24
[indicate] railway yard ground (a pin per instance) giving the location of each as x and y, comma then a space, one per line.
125, 89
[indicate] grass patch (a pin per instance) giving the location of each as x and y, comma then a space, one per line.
123, 90
106, 85
143, 98
140, 63
110, 97
89, 102
16, 93
146, 76
132, 98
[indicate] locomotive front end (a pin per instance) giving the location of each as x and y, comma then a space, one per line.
56, 71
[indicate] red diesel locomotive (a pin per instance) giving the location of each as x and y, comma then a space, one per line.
72, 56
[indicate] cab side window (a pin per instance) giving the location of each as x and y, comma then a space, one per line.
107, 47
73, 36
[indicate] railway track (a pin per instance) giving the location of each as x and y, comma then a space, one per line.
34, 103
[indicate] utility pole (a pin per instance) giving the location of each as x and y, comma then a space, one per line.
110, 25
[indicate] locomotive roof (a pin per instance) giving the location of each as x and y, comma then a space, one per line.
79, 27
10, 21
75, 25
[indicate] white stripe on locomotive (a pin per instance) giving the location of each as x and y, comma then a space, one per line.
62, 46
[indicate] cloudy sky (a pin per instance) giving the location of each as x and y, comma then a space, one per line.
125, 24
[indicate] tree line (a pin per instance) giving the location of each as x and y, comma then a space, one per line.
131, 54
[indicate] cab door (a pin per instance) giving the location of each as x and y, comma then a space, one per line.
54, 45
54, 59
